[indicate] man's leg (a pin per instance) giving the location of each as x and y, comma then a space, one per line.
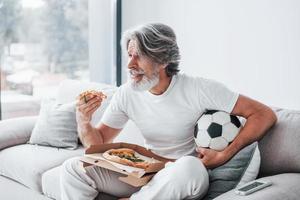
187, 178
78, 183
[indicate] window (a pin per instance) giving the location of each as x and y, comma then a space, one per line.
42, 42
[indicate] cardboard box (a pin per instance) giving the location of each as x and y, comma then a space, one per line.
135, 177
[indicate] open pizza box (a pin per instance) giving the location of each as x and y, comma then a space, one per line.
135, 176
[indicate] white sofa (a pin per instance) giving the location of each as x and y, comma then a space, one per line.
31, 171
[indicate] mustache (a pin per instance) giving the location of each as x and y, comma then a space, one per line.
136, 72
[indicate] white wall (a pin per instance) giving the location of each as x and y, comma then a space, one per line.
252, 46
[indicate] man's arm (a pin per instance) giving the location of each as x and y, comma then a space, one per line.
101, 134
88, 134
259, 119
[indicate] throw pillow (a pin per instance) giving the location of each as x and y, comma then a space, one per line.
252, 170
240, 169
56, 125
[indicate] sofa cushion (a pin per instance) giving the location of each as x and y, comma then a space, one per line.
280, 152
242, 168
285, 186
56, 125
251, 171
12, 190
26, 163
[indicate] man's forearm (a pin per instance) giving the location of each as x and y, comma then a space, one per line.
89, 135
255, 128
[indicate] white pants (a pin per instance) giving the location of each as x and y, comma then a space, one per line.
186, 178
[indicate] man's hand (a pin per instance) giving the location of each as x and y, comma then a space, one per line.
85, 110
89, 135
211, 158
85, 107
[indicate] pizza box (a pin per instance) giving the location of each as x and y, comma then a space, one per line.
135, 176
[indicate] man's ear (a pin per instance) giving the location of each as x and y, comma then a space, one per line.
163, 66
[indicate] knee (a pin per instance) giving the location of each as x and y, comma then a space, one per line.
190, 169
190, 163
70, 166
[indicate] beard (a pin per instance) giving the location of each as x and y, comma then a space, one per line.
146, 83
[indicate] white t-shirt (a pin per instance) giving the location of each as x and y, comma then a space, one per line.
167, 121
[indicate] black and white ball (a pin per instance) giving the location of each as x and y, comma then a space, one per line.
216, 129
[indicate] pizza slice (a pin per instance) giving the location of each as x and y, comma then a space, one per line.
83, 95
126, 156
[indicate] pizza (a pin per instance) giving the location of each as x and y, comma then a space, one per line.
83, 95
126, 156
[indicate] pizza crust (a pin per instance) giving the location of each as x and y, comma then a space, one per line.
82, 96
112, 155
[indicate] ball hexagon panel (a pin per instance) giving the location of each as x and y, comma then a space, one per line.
230, 131
202, 138
218, 143
214, 130
204, 122
221, 117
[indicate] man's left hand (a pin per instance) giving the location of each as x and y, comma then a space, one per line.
211, 158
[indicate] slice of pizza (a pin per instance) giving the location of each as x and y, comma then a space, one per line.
126, 156
83, 95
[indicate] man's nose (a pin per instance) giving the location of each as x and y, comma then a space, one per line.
132, 62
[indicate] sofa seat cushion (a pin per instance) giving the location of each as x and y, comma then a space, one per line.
12, 190
26, 163
285, 186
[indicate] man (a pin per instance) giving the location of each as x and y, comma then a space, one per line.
165, 106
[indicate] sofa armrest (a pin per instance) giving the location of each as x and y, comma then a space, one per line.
16, 131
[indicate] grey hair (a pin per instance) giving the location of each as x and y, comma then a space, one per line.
156, 41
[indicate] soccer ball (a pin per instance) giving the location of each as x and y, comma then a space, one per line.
216, 129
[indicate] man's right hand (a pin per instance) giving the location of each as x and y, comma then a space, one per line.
85, 107
89, 135
85, 110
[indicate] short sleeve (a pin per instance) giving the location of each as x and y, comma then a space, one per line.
115, 115
213, 95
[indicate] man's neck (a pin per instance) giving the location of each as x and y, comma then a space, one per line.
163, 84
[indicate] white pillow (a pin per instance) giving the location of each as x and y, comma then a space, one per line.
252, 170
242, 168
56, 125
